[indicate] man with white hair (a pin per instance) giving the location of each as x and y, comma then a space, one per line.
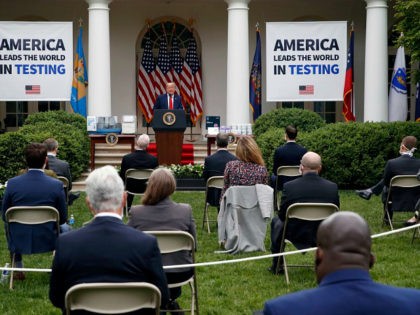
139, 159
105, 250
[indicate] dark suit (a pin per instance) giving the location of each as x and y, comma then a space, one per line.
139, 159
60, 167
167, 215
308, 188
288, 154
162, 102
403, 165
214, 165
347, 292
34, 188
105, 250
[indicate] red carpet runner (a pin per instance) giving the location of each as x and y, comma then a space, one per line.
187, 156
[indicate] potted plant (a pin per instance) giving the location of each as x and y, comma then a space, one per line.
189, 177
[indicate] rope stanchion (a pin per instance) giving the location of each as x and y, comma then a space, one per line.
232, 261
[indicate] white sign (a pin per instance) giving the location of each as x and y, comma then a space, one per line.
36, 61
306, 61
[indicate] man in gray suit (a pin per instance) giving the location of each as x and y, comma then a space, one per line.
60, 167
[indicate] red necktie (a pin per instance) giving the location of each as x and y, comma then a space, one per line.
171, 102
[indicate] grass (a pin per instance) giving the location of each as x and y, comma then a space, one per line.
233, 288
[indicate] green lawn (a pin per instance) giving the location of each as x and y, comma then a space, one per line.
233, 288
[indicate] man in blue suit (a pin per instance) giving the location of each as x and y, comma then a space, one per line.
169, 100
34, 188
288, 154
105, 250
214, 165
342, 264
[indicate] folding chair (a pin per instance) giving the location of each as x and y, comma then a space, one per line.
176, 241
305, 212
403, 183
31, 216
290, 171
112, 298
65, 182
214, 182
136, 182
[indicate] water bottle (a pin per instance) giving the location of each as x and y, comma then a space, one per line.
5, 274
71, 220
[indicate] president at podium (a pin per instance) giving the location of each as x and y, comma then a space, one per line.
169, 100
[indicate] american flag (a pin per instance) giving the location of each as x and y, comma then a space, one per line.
146, 95
306, 89
191, 81
163, 74
32, 89
176, 62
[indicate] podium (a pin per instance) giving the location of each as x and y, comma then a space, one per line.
169, 127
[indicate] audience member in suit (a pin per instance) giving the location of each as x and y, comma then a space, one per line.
214, 165
139, 159
249, 169
34, 188
105, 250
164, 101
160, 213
342, 263
308, 188
288, 154
60, 167
405, 164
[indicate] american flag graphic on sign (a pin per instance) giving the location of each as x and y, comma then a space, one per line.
32, 89
306, 89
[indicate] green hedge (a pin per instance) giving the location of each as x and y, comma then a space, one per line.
68, 129
353, 154
304, 120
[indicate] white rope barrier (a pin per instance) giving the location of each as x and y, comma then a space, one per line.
232, 261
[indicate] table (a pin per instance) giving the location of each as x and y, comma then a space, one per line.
211, 139
94, 139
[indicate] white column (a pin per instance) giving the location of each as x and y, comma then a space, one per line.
99, 66
237, 103
376, 61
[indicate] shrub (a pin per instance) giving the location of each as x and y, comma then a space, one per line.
187, 171
354, 154
12, 145
68, 129
304, 120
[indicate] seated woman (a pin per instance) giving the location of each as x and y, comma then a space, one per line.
249, 169
160, 213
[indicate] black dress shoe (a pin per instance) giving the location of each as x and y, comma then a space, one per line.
365, 193
174, 306
273, 270
410, 223
73, 197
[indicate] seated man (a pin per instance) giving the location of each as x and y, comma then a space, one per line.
105, 250
34, 188
288, 154
214, 165
308, 188
139, 159
342, 264
60, 167
406, 164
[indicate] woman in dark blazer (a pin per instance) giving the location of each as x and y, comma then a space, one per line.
159, 213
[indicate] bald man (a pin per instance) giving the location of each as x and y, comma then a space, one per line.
342, 264
308, 188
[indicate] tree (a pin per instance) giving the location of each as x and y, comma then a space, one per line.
407, 13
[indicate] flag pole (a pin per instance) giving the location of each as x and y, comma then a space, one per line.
353, 94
